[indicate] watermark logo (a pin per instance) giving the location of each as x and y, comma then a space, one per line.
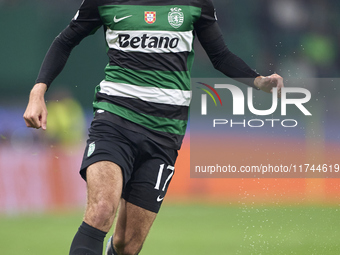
204, 97
302, 96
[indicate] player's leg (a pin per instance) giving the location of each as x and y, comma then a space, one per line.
132, 227
143, 196
104, 187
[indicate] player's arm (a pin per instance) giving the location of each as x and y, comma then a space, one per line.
86, 21
211, 38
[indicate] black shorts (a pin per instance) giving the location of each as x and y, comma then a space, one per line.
147, 167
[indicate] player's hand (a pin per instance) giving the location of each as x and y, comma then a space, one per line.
35, 115
269, 82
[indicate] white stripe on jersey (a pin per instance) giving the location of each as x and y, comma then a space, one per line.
150, 41
149, 94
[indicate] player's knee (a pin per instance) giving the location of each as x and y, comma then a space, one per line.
104, 209
101, 213
126, 248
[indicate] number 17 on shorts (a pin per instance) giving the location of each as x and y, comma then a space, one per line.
162, 186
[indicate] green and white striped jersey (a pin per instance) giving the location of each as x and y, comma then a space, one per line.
150, 47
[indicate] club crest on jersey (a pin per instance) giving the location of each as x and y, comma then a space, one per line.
176, 17
150, 17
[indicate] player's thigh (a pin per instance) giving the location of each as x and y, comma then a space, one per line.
132, 227
104, 188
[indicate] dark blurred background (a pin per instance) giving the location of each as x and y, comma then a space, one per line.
297, 38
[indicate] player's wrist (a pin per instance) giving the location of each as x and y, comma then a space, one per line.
257, 81
38, 90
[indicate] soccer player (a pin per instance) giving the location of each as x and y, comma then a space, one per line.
141, 108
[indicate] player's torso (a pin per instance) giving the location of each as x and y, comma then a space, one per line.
150, 49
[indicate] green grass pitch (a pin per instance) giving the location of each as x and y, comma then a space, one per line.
194, 230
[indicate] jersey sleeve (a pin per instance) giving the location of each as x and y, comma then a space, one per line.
85, 22
211, 38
